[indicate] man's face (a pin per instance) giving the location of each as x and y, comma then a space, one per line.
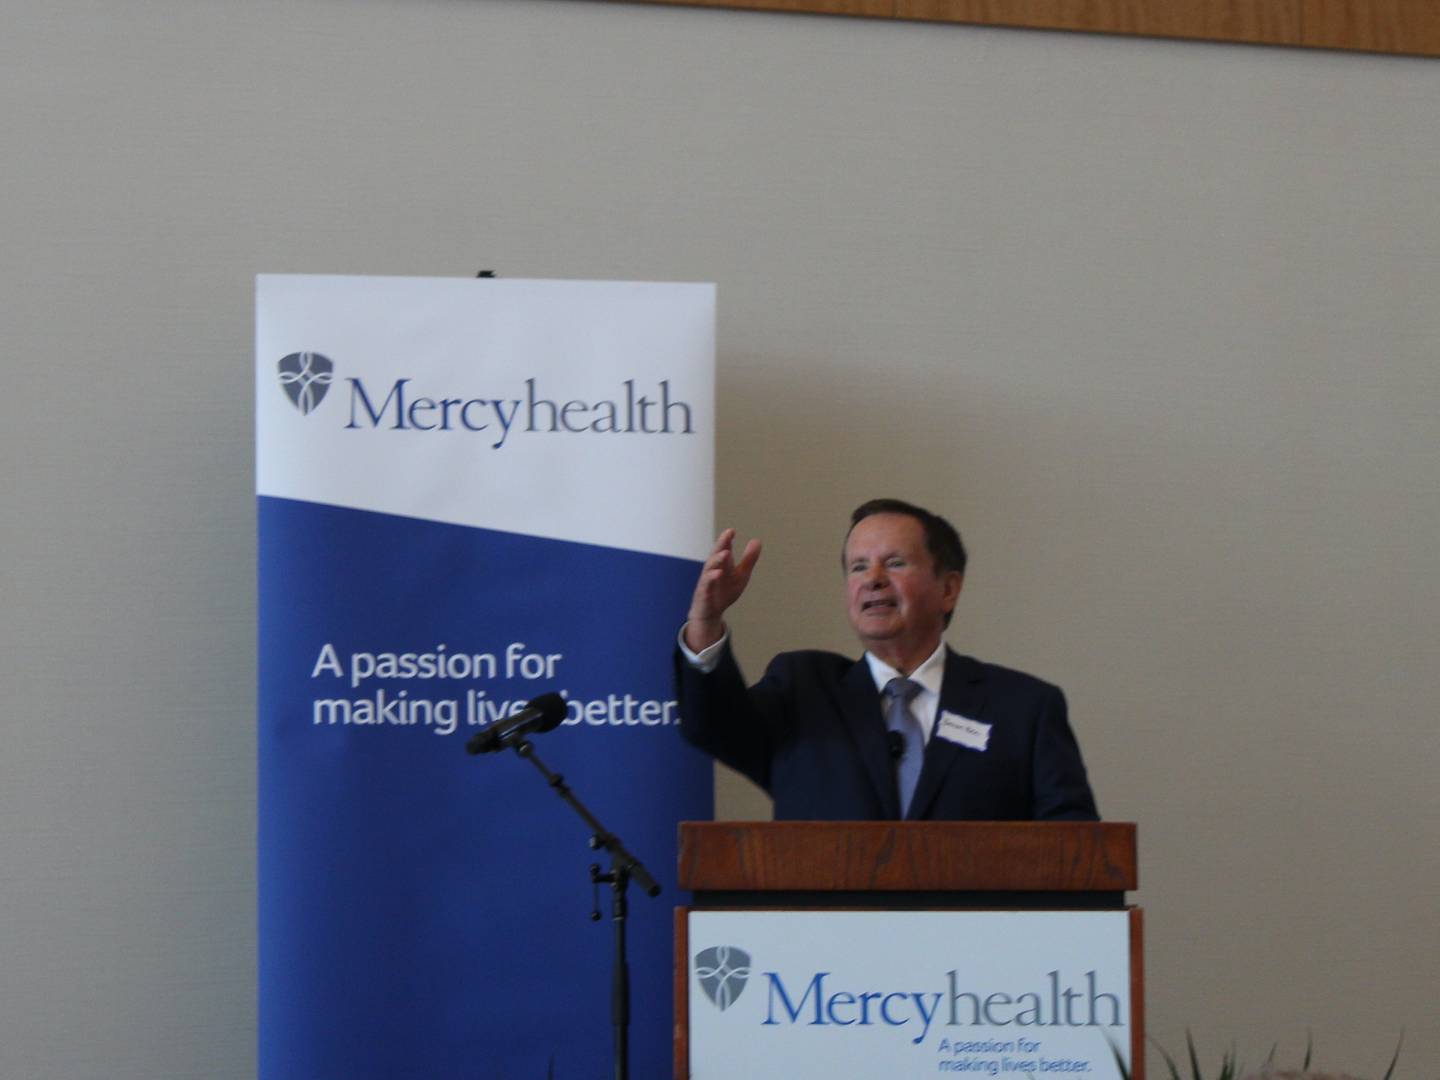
896, 601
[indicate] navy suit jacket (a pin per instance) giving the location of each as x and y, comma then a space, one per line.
812, 734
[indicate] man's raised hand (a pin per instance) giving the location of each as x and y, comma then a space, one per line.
722, 581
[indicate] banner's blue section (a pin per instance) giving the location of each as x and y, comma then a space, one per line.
425, 913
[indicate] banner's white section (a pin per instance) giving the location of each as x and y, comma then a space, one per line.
570, 410
907, 994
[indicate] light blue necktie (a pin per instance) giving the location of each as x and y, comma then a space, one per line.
898, 718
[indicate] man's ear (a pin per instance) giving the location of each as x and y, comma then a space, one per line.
954, 582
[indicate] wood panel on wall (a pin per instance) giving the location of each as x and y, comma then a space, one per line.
1389, 26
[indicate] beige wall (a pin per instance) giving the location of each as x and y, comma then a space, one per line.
1155, 323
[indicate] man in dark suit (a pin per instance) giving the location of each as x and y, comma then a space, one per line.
911, 730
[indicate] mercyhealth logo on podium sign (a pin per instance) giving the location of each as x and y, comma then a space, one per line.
901, 994
471, 493
723, 972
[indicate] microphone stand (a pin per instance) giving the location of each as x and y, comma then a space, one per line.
623, 867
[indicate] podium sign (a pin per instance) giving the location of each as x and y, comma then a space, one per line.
861, 994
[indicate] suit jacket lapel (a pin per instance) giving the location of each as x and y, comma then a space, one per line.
963, 692
860, 705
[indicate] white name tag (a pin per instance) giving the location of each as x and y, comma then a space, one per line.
963, 730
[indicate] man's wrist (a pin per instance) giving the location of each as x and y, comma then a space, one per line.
701, 634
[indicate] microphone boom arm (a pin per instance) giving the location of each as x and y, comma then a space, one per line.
602, 839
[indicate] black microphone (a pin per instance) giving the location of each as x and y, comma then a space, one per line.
896, 742
544, 713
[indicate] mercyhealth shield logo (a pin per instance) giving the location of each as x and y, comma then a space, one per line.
722, 972
305, 376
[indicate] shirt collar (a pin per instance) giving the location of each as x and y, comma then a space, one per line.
929, 675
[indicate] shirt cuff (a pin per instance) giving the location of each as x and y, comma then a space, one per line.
708, 658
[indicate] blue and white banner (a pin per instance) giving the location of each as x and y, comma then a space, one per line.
471, 492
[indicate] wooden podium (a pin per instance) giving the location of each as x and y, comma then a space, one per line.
891, 866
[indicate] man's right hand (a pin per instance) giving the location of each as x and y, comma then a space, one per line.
722, 581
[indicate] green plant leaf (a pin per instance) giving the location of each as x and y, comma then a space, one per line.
1120, 1060
1230, 1064
1194, 1059
1169, 1061
1394, 1059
